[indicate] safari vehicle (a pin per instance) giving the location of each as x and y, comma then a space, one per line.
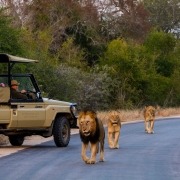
35, 115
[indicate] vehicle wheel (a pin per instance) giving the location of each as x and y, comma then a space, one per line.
16, 140
61, 132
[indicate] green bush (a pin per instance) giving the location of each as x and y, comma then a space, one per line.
9, 36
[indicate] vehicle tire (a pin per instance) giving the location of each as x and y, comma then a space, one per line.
16, 140
61, 132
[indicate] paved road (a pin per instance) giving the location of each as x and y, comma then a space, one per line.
140, 157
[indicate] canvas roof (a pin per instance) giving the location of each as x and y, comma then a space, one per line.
5, 58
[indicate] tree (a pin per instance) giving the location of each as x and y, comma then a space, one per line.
9, 36
65, 19
162, 45
164, 14
161, 86
71, 55
125, 69
125, 18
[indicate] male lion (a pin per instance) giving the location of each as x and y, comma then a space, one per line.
114, 126
149, 117
91, 131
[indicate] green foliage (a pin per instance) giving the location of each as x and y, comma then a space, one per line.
175, 95
9, 36
160, 63
157, 89
66, 41
160, 43
162, 46
142, 74
72, 84
63, 23
87, 37
71, 54
126, 69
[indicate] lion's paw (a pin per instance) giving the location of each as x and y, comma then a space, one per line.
86, 160
90, 161
101, 160
116, 147
111, 146
150, 132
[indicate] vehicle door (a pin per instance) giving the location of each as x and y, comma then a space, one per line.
31, 112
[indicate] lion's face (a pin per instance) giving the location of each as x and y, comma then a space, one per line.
87, 123
149, 112
114, 118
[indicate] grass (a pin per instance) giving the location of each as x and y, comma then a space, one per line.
137, 114
126, 116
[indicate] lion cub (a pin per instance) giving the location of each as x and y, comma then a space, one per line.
114, 126
91, 132
149, 117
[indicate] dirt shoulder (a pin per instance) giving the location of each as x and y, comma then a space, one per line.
29, 141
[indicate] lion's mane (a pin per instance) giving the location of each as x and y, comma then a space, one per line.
91, 132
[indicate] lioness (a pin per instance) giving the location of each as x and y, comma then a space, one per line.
114, 126
149, 117
91, 131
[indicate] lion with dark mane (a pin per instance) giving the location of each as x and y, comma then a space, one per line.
149, 117
91, 132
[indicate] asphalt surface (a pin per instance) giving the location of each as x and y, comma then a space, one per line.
141, 156
29, 141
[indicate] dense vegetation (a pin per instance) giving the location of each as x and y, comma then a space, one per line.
101, 54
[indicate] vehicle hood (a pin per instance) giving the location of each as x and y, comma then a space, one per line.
57, 102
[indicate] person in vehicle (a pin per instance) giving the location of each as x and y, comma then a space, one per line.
16, 94
2, 85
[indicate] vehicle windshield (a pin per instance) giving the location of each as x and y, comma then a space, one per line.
26, 85
24, 82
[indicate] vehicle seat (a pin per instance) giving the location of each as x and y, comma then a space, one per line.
4, 94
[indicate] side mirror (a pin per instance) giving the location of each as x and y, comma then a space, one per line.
38, 95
